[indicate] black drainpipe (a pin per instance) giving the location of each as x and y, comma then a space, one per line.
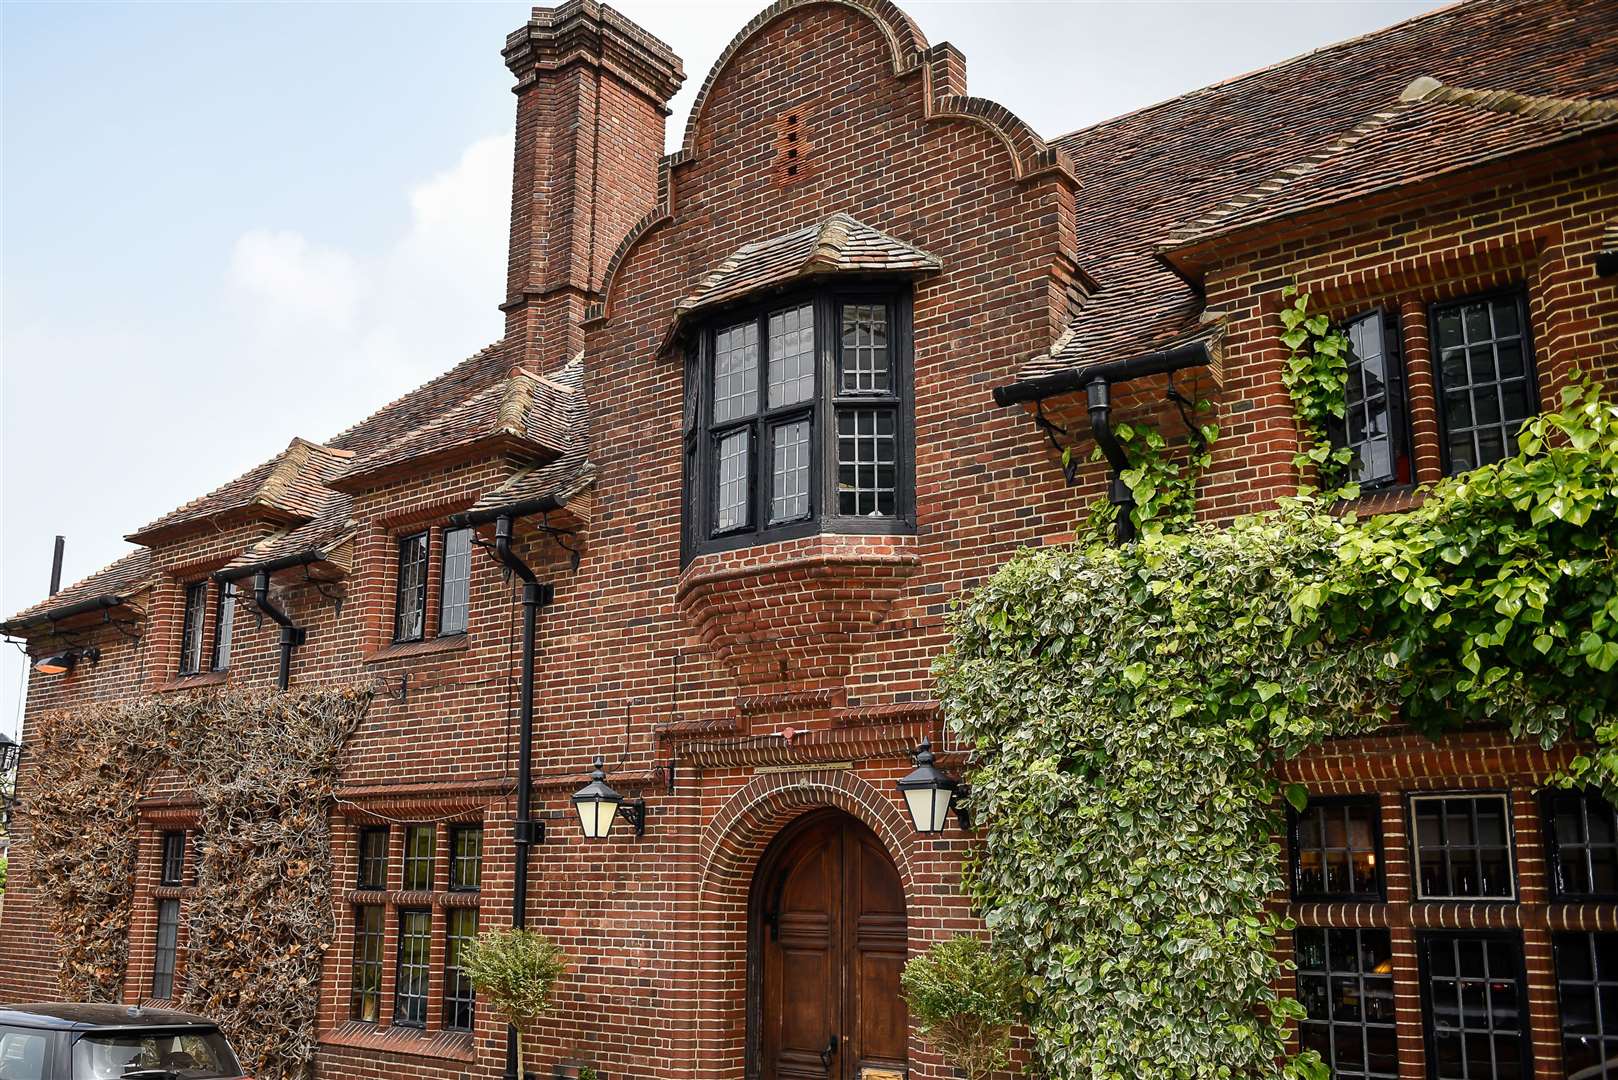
292, 635
1099, 394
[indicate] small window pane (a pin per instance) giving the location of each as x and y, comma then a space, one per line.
466, 858
1345, 982
864, 356
415, 948
420, 841
1335, 850
457, 581
173, 872
373, 858
867, 463
735, 372
196, 604
1473, 1006
168, 940
1463, 847
459, 998
411, 613
369, 933
1373, 426
789, 477
1485, 376
735, 465
224, 626
1584, 844
792, 356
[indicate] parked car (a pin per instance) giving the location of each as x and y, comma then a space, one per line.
111, 1042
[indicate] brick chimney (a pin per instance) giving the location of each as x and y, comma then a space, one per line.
592, 95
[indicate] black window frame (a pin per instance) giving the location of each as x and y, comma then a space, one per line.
1413, 840
422, 971
194, 615
1606, 1040
702, 433
464, 606
367, 859
1294, 817
166, 953
1423, 939
1331, 975
1553, 844
171, 868
401, 632
224, 625
408, 860
1518, 293
457, 882
370, 946
1397, 392
460, 997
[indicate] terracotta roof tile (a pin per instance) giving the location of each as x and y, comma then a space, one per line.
329, 528
290, 485
124, 578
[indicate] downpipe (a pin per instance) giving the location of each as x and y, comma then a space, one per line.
292, 635
1099, 396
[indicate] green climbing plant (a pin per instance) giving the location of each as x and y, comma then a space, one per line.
1162, 478
1315, 374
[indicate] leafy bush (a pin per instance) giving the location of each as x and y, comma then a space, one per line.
966, 994
516, 972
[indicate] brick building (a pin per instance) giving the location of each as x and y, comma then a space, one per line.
762, 408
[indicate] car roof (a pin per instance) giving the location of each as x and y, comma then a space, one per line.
67, 1016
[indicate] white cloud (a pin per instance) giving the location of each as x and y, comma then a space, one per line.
282, 276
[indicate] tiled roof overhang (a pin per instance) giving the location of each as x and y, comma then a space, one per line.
111, 587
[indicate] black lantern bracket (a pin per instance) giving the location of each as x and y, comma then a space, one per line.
634, 812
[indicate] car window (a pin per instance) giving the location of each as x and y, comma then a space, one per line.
154, 1055
22, 1054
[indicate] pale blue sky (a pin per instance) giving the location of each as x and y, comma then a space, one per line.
228, 224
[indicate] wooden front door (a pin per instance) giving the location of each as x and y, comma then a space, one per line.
830, 940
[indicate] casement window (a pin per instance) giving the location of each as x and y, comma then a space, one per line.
1581, 838
1462, 847
410, 610
1375, 423
1486, 383
373, 858
420, 842
1587, 989
1345, 984
798, 420
414, 968
370, 934
224, 626
196, 607
466, 859
168, 943
172, 871
1474, 1006
1337, 850
460, 1001
457, 587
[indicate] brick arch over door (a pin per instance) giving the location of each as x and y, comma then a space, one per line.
732, 845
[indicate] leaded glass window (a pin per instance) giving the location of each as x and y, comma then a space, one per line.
1345, 983
1473, 1002
173, 870
224, 625
1463, 847
466, 858
168, 948
1583, 835
373, 844
867, 463
369, 937
413, 969
789, 479
1336, 850
457, 587
410, 611
420, 849
1374, 424
1587, 987
461, 926
1485, 377
196, 607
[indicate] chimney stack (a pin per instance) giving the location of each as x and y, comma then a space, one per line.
592, 96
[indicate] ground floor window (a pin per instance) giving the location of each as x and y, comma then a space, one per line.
369, 935
1345, 982
168, 945
1475, 1006
415, 967
1587, 989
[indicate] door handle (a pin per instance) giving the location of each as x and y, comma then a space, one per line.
826, 1054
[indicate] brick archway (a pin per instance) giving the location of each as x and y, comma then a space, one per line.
732, 845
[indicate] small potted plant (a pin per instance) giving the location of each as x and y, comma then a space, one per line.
966, 995
515, 971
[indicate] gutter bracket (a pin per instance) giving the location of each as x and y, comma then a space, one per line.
1070, 465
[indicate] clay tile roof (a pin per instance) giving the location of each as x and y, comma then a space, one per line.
837, 245
123, 579
311, 541
526, 412
1432, 129
400, 417
289, 486
561, 480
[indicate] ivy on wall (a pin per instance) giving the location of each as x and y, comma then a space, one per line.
1315, 374
1128, 706
263, 766
1162, 481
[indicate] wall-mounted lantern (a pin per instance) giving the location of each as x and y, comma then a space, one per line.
931, 794
599, 805
63, 662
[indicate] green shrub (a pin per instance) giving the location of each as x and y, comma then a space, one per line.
516, 972
965, 994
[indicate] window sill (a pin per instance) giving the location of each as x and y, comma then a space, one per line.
403, 650
1388, 500
415, 1042
192, 682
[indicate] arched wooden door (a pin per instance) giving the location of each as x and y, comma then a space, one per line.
829, 942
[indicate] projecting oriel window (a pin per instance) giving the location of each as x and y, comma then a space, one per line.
1374, 424
1345, 983
414, 968
224, 624
1337, 850
457, 595
1462, 847
1486, 385
1581, 833
1587, 986
196, 607
798, 420
410, 611
1474, 1004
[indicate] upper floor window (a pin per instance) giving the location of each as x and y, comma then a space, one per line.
173, 868
196, 606
1336, 850
1486, 386
410, 613
798, 420
224, 625
1582, 842
412, 587
1374, 423
1463, 847
457, 590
